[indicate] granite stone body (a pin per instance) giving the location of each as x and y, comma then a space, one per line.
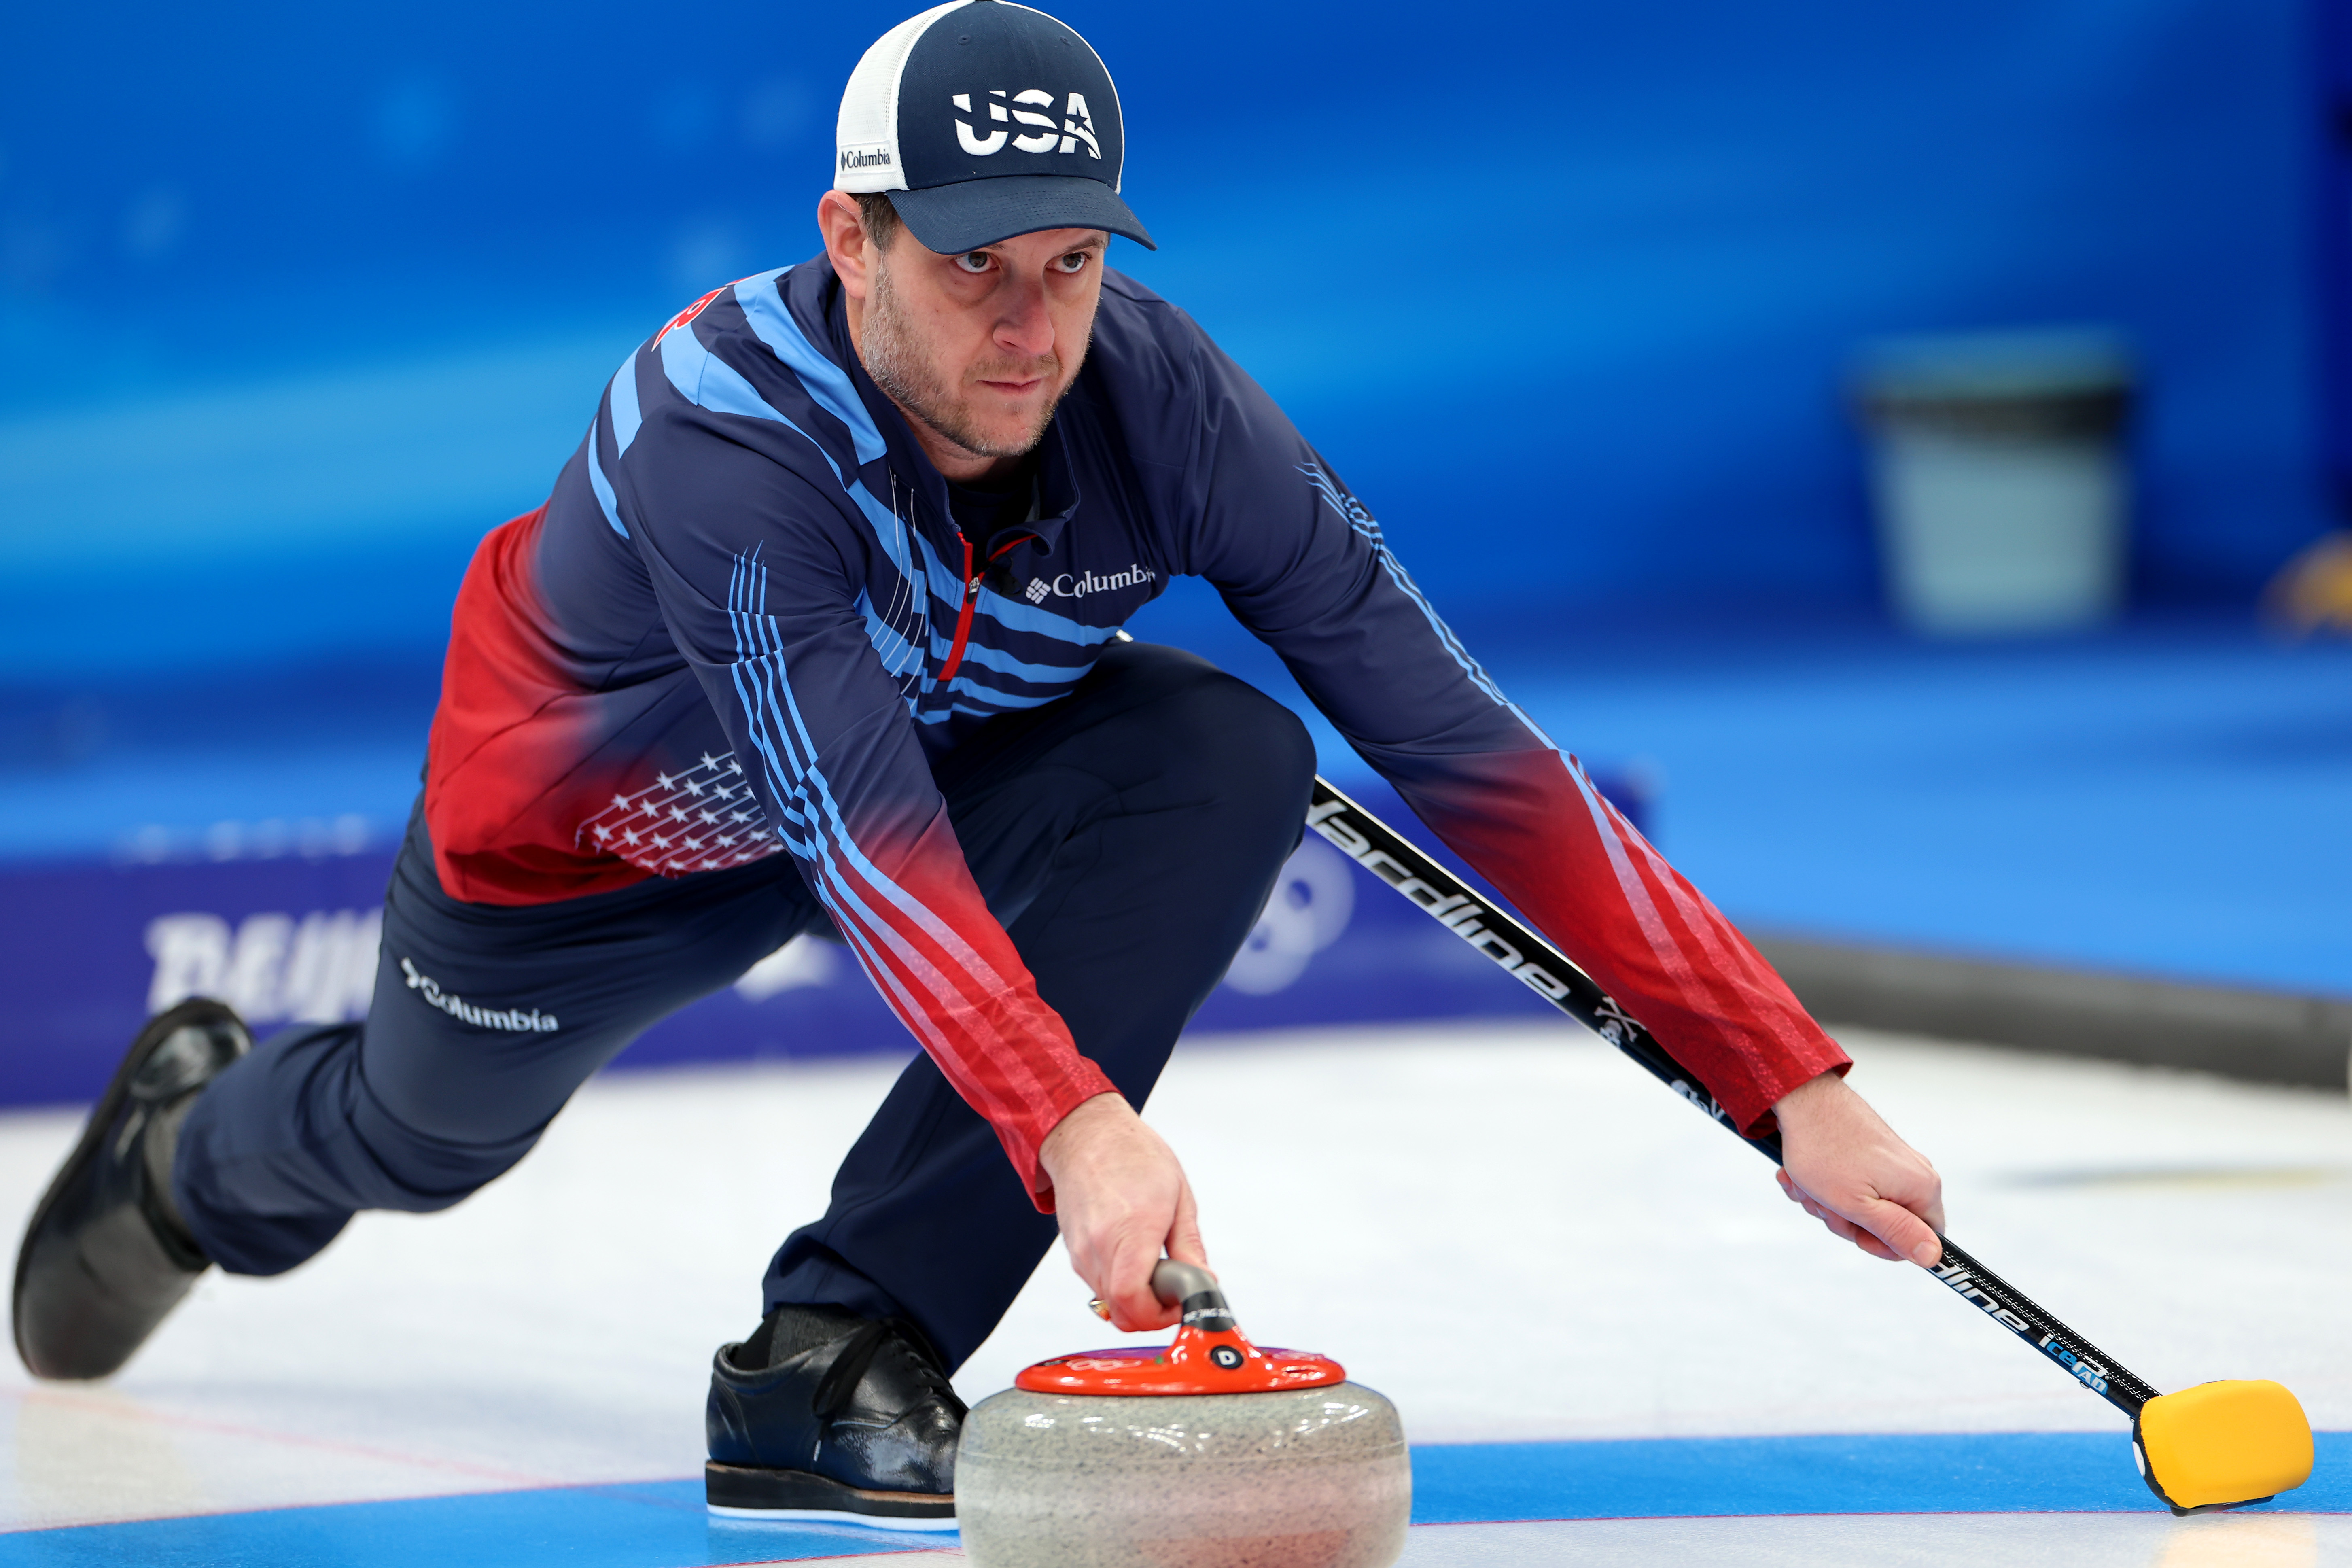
1296, 1478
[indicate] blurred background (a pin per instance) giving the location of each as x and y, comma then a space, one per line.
1898, 447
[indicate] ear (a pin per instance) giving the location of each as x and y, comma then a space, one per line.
846, 244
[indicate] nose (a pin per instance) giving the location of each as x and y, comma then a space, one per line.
1025, 327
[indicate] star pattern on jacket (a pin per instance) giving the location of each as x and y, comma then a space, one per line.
702, 818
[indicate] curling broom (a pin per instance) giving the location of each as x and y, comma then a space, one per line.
2216, 1446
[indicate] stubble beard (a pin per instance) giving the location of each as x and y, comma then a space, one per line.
894, 356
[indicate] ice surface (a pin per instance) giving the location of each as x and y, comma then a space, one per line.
1959, 1540
1508, 1230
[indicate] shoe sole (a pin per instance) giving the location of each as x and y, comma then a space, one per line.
743, 1491
158, 1029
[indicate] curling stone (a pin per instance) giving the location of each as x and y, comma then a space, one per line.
1212, 1453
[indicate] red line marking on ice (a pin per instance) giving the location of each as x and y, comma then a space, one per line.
955, 1551
502, 1479
263, 1433
616, 1492
1603, 1431
1894, 1513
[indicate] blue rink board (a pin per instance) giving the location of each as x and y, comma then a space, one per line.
662, 1524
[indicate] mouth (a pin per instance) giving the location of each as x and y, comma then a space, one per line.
1012, 388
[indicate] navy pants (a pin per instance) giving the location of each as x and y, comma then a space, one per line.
1127, 836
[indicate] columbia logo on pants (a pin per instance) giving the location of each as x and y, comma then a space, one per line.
513, 1021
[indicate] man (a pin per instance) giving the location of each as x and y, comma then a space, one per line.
820, 630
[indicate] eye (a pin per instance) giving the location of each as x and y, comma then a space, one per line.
1075, 261
975, 261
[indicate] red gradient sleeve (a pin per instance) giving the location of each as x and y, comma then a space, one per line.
1306, 566
766, 613
908, 908
1533, 825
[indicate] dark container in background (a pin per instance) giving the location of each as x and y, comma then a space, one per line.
1997, 478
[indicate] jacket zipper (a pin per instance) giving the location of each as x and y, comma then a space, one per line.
963, 613
970, 594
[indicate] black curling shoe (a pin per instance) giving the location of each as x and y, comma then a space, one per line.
106, 1258
823, 1415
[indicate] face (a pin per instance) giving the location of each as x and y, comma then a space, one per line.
976, 349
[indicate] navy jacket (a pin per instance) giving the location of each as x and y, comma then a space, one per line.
745, 621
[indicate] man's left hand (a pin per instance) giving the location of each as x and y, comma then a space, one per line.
1849, 1170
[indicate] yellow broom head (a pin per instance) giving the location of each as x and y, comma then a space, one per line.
2218, 1445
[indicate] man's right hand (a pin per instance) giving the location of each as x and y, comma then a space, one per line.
1120, 1198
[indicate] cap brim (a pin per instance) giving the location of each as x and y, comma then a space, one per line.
970, 214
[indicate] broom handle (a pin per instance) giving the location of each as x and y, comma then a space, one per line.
1545, 970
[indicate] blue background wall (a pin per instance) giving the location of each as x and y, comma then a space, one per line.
296, 301
295, 304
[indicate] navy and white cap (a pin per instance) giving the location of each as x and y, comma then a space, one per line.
983, 120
